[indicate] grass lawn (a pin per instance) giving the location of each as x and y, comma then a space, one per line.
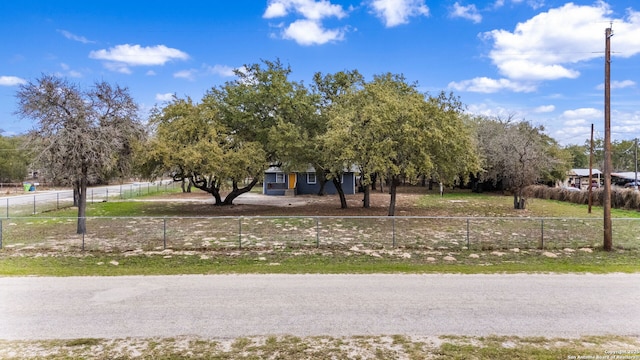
326, 347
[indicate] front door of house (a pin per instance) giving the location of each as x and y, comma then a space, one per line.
292, 180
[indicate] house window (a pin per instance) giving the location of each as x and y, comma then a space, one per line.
311, 178
280, 178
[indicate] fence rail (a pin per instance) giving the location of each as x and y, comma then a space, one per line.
120, 234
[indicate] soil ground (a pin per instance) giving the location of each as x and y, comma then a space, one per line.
253, 204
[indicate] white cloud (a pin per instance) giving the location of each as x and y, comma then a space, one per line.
164, 97
549, 45
221, 70
493, 111
618, 84
150, 73
118, 67
544, 109
74, 37
487, 85
626, 123
309, 9
398, 12
275, 9
310, 32
11, 81
69, 72
186, 74
582, 113
535, 4
469, 12
121, 57
546, 46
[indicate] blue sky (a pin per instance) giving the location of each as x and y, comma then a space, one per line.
539, 60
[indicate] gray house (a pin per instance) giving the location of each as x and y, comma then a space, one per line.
277, 182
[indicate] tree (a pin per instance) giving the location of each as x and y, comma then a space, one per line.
332, 88
235, 131
389, 128
14, 160
80, 134
623, 155
579, 155
190, 143
517, 154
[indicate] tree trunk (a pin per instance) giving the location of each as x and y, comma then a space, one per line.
366, 201
82, 204
393, 191
207, 185
323, 182
228, 200
519, 202
374, 178
340, 190
76, 193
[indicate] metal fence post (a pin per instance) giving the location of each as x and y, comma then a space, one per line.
92, 196
317, 232
34, 204
164, 233
541, 234
57, 201
7, 208
0, 233
106, 198
393, 232
240, 232
468, 239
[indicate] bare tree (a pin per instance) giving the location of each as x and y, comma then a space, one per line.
515, 154
79, 135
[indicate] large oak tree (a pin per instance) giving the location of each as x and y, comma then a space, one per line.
388, 127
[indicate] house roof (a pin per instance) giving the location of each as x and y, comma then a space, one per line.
629, 175
583, 172
274, 169
310, 169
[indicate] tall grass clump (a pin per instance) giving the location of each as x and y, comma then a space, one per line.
628, 199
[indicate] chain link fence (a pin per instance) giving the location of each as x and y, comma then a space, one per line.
42, 202
121, 234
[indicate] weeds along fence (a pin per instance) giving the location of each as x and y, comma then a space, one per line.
621, 198
121, 234
42, 202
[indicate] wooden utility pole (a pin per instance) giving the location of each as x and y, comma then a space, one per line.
635, 161
608, 242
591, 171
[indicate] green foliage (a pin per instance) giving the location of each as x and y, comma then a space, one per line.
390, 128
579, 156
14, 159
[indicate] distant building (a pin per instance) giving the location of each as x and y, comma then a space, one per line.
579, 178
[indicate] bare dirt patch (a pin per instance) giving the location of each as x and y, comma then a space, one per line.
252, 204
